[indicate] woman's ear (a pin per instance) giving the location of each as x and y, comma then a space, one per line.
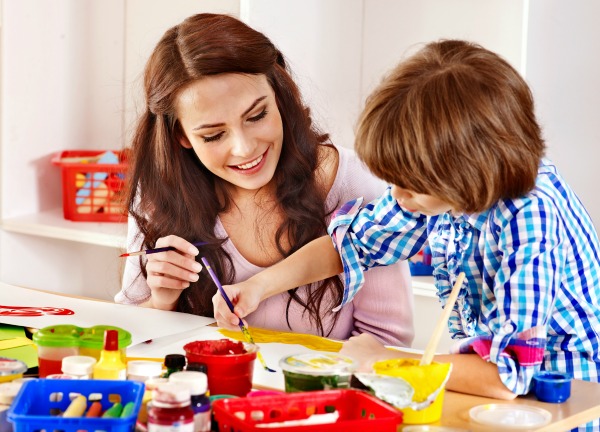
184, 141
182, 138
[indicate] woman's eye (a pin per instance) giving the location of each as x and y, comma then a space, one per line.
211, 138
258, 117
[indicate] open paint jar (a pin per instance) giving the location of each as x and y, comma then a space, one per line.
428, 382
317, 371
552, 386
229, 364
11, 369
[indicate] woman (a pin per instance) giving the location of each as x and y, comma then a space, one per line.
226, 153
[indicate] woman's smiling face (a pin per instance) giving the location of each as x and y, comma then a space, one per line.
233, 124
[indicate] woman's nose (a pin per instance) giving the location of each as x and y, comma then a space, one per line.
242, 145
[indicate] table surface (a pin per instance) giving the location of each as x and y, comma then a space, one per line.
582, 407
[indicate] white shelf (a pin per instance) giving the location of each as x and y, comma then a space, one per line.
424, 286
52, 224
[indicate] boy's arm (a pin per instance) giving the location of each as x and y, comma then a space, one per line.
470, 373
313, 262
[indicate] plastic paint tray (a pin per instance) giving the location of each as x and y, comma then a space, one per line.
31, 409
358, 412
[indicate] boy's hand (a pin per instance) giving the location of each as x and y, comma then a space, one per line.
245, 297
169, 273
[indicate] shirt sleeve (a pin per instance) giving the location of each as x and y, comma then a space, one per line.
134, 289
377, 234
525, 288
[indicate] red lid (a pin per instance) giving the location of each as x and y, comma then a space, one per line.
111, 340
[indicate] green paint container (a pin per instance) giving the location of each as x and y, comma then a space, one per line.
317, 371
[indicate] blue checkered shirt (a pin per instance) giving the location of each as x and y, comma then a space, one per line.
532, 270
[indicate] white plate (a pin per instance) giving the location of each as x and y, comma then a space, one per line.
510, 416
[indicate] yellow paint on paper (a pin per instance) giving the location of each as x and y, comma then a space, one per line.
260, 335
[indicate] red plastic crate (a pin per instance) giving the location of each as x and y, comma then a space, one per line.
358, 411
92, 191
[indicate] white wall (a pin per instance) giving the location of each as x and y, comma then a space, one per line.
563, 69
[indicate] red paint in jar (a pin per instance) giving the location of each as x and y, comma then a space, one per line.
229, 364
171, 410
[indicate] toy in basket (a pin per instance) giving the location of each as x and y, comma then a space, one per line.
32, 408
92, 183
343, 410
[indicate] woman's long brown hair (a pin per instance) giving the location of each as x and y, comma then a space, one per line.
171, 192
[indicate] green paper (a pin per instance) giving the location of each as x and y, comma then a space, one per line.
11, 332
27, 354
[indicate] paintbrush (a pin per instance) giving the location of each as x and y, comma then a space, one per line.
442, 321
157, 250
245, 331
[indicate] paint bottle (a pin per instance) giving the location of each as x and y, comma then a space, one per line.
150, 385
197, 383
174, 363
143, 370
110, 365
78, 367
170, 410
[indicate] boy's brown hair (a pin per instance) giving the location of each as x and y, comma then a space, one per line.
455, 121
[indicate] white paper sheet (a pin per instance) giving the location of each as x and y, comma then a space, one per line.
142, 323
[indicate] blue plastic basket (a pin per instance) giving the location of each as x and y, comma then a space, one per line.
37, 399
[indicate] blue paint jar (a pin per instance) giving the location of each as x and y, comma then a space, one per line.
552, 386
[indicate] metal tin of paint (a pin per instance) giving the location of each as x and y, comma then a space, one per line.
552, 386
317, 371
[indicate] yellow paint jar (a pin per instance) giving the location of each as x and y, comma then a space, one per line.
429, 385
11, 369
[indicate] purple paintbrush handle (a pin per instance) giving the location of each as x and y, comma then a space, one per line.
219, 286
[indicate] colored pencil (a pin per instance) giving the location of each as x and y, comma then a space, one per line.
157, 250
245, 331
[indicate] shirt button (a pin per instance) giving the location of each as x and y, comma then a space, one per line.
507, 328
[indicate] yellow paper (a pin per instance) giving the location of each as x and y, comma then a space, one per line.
15, 342
260, 335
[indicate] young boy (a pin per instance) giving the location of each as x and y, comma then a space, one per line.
453, 129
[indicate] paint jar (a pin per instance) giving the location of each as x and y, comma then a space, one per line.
428, 382
53, 344
552, 386
198, 385
11, 369
79, 367
56, 342
174, 363
150, 385
143, 370
317, 371
91, 341
170, 409
229, 364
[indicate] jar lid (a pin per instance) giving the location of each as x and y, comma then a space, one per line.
175, 361
153, 383
9, 366
171, 394
78, 365
196, 381
8, 392
318, 364
144, 368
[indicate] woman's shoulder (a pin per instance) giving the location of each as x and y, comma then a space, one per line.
353, 179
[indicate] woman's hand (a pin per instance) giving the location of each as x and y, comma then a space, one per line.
169, 273
245, 296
